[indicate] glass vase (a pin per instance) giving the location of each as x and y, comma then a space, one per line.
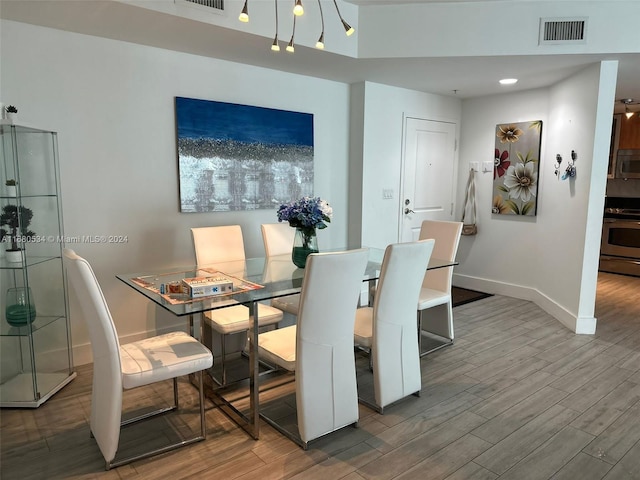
20, 307
305, 242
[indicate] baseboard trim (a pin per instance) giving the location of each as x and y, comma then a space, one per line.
579, 325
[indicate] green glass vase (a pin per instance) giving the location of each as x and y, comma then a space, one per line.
20, 309
305, 242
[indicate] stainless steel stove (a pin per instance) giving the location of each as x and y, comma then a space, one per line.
620, 247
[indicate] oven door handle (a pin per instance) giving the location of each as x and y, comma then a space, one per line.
621, 221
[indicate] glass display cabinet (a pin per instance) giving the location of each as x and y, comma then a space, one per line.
35, 343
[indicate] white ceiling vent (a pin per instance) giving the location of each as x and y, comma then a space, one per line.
216, 5
565, 31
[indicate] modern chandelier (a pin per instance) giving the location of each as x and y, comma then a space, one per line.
628, 101
298, 10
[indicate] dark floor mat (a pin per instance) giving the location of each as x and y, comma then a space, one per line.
462, 296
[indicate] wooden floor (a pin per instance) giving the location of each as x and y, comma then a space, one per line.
517, 397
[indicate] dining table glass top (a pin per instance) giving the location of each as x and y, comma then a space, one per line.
254, 280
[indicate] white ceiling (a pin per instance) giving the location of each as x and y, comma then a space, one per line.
470, 76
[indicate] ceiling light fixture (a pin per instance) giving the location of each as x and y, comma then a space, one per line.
348, 29
320, 42
244, 14
627, 102
298, 10
275, 46
508, 81
290, 48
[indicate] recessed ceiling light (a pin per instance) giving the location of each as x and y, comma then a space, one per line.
508, 81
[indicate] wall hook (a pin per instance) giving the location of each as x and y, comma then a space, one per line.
557, 165
570, 172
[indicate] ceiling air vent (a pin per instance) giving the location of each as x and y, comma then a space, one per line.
209, 4
566, 31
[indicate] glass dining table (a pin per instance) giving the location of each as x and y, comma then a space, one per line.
254, 280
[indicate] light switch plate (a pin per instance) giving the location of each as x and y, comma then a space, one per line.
387, 193
475, 166
487, 166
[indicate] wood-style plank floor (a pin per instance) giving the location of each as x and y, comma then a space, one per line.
517, 397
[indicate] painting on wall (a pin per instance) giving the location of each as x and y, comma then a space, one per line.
515, 168
238, 157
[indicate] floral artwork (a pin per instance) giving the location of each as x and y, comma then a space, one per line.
239, 157
515, 168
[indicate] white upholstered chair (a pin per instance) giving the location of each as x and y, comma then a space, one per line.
388, 328
226, 244
117, 367
278, 240
320, 347
436, 286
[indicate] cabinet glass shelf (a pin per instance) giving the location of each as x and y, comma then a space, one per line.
10, 197
40, 322
28, 262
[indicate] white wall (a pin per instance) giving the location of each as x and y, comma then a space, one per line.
384, 110
439, 29
504, 240
112, 104
605, 83
356, 149
551, 258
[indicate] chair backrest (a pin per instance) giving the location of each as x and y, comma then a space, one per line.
447, 237
106, 395
326, 392
277, 238
218, 244
396, 359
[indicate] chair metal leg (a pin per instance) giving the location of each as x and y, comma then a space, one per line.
144, 416
117, 463
372, 405
223, 342
157, 412
175, 392
203, 426
420, 332
293, 436
444, 343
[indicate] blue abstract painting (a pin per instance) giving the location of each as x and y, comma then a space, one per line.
240, 157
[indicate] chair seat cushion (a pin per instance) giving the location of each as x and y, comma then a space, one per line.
363, 328
162, 357
431, 298
279, 347
288, 304
236, 319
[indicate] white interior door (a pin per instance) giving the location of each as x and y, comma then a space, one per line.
428, 183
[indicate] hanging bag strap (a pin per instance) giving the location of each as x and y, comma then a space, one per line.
469, 227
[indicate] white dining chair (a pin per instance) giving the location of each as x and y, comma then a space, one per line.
436, 286
320, 347
278, 240
215, 245
388, 328
119, 367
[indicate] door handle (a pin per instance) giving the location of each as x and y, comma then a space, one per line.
407, 211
